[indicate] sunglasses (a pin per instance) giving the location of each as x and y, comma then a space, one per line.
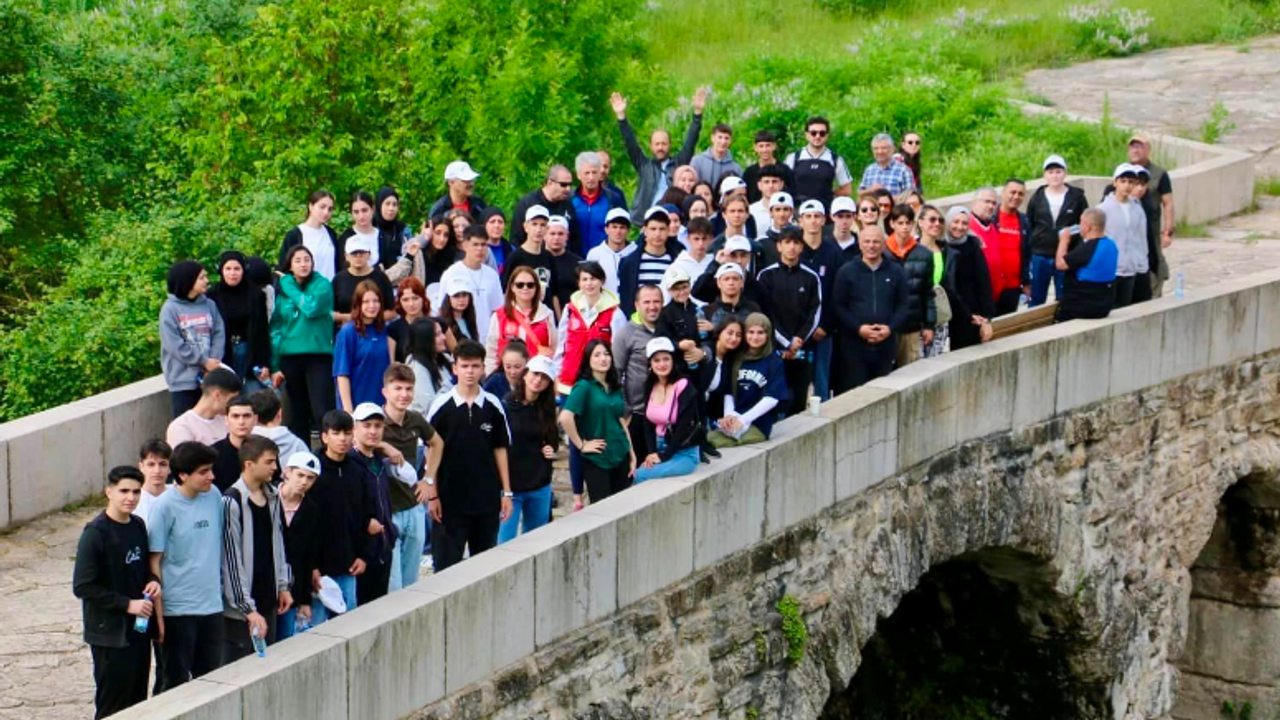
524, 285
818, 133
565, 185
910, 142
933, 220
869, 209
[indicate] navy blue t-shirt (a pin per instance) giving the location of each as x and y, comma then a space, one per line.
756, 380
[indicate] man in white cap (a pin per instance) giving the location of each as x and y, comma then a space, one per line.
483, 281
360, 267
1158, 204
730, 280
1054, 207
793, 301
824, 258
653, 174
1127, 226
375, 474
302, 531
531, 253
678, 321
844, 213
782, 210
739, 251
564, 261
616, 246
556, 195
460, 180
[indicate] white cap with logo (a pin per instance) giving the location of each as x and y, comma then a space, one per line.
812, 206
781, 199
305, 461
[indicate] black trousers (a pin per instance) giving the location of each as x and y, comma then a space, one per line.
309, 382
861, 363
373, 582
602, 483
1008, 301
1132, 289
192, 647
456, 533
237, 642
159, 685
799, 374
120, 676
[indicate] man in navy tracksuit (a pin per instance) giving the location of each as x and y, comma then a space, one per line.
870, 303
1089, 286
792, 294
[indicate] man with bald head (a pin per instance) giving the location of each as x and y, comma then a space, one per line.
870, 303
556, 195
653, 172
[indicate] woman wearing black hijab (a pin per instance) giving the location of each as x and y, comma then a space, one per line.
243, 306
393, 233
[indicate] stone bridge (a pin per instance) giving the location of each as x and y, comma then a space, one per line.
1075, 522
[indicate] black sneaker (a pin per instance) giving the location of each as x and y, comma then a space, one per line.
710, 450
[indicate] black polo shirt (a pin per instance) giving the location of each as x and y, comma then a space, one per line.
468, 481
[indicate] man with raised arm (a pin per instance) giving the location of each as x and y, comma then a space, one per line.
653, 174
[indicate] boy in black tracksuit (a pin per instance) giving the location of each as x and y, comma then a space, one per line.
111, 577
793, 302
344, 548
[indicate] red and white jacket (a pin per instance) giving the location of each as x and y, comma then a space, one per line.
580, 323
538, 333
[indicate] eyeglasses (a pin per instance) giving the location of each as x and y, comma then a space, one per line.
818, 133
524, 285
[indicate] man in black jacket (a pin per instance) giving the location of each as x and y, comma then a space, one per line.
345, 513
793, 301
1054, 208
556, 195
116, 592
870, 304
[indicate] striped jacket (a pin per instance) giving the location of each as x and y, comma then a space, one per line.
237, 550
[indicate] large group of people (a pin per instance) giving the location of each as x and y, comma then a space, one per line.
384, 399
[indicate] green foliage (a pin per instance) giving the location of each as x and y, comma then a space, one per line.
1229, 711
1267, 185
1217, 124
793, 628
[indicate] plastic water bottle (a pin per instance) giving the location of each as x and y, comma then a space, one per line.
1023, 300
141, 624
301, 625
259, 643
1180, 286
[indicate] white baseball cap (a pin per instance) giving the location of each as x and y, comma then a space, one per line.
304, 460
731, 183
729, 269
781, 199
673, 277
456, 285
657, 211
536, 211
460, 170
738, 243
843, 204
331, 596
541, 364
357, 243
1128, 169
1053, 160
812, 206
559, 221
367, 410
657, 345
617, 215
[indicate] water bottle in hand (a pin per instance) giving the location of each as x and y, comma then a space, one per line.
259, 643
140, 624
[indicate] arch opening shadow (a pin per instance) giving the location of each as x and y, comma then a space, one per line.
1230, 665
984, 635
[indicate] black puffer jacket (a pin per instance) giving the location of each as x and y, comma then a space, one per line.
918, 266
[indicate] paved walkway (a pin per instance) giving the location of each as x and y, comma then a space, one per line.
1172, 92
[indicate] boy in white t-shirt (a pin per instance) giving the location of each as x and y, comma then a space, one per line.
153, 461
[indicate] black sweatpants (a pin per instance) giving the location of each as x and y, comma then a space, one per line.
1132, 290
861, 363
373, 582
192, 647
237, 642
456, 533
799, 374
120, 675
1008, 301
602, 483
309, 381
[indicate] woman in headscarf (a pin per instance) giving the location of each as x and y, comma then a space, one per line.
967, 282
759, 388
393, 233
243, 306
192, 336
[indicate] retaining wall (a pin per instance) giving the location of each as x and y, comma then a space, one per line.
60, 456
453, 630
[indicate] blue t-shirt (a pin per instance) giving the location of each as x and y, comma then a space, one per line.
189, 533
758, 379
363, 359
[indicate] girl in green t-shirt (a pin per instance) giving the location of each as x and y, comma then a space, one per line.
595, 422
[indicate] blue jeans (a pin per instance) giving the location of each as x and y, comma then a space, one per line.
347, 584
534, 506
822, 369
1042, 270
240, 363
287, 624
681, 463
406, 557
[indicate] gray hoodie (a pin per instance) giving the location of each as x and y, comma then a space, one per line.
286, 441
710, 169
191, 332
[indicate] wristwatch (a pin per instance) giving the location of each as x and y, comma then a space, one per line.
508, 494
429, 480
